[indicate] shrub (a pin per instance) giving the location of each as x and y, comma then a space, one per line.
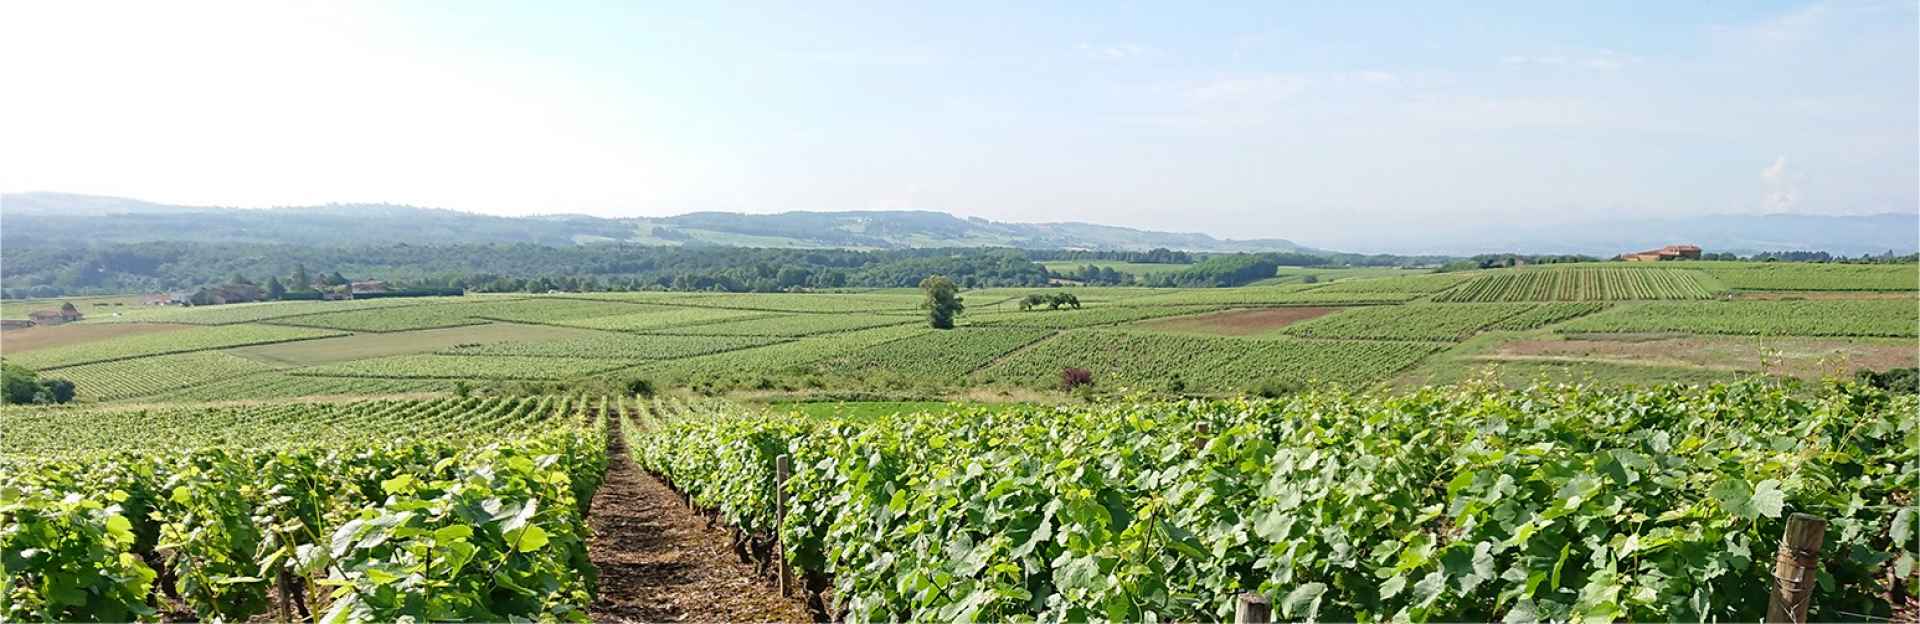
1072, 378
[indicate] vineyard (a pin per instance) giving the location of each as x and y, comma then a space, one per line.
1556, 284
435, 366
1890, 317
1463, 504
1415, 321
468, 509
945, 355
196, 339
1149, 361
124, 379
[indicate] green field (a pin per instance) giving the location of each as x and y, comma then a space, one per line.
1406, 466
1357, 327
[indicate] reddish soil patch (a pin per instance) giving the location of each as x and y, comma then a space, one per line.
1238, 322
1808, 358
659, 563
44, 336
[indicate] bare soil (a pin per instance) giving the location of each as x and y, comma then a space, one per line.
659, 562
1807, 358
1237, 322
46, 336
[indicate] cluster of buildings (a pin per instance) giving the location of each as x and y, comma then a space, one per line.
1669, 252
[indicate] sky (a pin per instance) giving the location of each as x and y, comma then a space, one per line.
1332, 124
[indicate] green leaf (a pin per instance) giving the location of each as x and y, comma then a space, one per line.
1429, 588
1767, 498
120, 529
452, 532
1305, 596
528, 539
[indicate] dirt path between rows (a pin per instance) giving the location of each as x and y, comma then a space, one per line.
659, 563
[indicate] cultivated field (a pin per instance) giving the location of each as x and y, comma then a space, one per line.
1364, 328
439, 458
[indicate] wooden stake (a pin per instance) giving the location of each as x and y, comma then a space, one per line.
280, 583
1796, 568
1252, 608
782, 468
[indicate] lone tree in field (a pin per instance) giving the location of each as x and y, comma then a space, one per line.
943, 301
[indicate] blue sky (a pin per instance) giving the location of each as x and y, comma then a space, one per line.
1330, 124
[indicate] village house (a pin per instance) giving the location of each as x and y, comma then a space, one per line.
1669, 252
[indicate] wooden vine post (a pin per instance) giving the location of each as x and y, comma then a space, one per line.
1796, 569
782, 467
1252, 608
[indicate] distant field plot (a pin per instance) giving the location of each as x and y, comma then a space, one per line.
436, 366
371, 345
1237, 321
944, 356
1299, 294
1545, 314
1583, 284
1883, 317
1088, 317
196, 339
807, 302
90, 307
107, 381
1414, 284
394, 319
1809, 276
997, 299
612, 346
250, 312
1301, 275
280, 385
1417, 321
648, 296
659, 318
23, 339
549, 310
735, 365
1202, 363
1141, 269
791, 325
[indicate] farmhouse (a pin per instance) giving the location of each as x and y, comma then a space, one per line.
54, 317
367, 287
1669, 252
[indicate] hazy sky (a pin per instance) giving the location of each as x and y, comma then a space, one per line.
1324, 124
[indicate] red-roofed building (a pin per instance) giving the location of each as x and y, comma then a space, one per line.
1669, 252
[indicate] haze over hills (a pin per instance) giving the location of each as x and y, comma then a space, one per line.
41, 219
59, 218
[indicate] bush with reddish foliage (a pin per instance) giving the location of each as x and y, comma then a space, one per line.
1075, 377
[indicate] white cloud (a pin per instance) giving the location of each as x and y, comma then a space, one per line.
1782, 187
1113, 51
1602, 60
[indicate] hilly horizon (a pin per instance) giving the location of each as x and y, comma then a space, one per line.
65, 219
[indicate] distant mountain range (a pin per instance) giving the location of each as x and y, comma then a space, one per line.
40, 219
59, 218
